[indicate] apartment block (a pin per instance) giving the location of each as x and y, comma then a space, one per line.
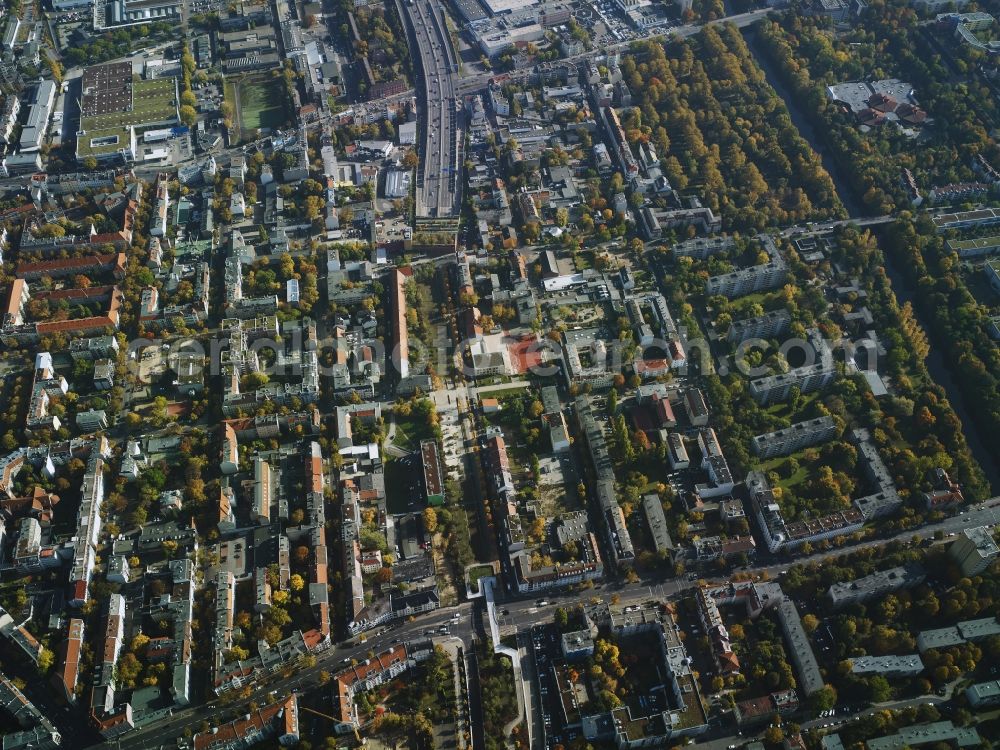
888, 666
616, 531
677, 453
656, 523
983, 694
807, 379
806, 668
968, 630
791, 439
938, 733
695, 406
766, 326
974, 550
882, 582
760, 278
702, 248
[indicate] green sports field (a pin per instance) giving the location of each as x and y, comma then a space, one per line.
259, 102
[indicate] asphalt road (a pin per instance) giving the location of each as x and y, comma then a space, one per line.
167, 731
514, 614
473, 83
437, 180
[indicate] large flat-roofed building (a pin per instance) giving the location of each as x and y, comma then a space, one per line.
889, 666
502, 7
807, 669
768, 325
940, 732
979, 217
992, 270
975, 247
703, 248
967, 630
807, 379
433, 480
882, 582
677, 452
33, 132
114, 105
109, 14
656, 523
983, 694
757, 278
974, 550
815, 374
796, 437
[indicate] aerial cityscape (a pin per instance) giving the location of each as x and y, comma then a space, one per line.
500, 374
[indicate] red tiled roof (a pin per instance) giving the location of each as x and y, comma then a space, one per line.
882, 102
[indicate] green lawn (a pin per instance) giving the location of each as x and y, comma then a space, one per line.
410, 432
262, 102
798, 477
784, 408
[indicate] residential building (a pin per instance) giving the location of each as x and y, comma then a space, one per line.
101, 347
104, 374
806, 668
702, 248
278, 719
992, 270
588, 567
92, 420
968, 630
760, 278
677, 453
843, 593
577, 645
69, 665
726, 661
366, 675
695, 406
230, 450
974, 550
714, 463
766, 326
794, 438
656, 524
938, 733
983, 694
614, 527
433, 477
763, 709
888, 666
807, 379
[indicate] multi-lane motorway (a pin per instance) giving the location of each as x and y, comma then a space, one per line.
437, 178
